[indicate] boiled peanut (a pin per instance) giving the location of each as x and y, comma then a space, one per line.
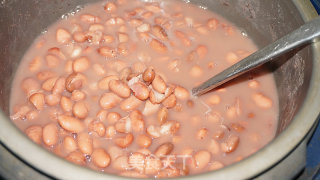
136, 161
124, 141
85, 143
57, 52
137, 121
202, 51
202, 158
130, 103
123, 49
119, 88
262, 100
123, 125
202, 133
140, 90
49, 83
44, 75
66, 103
202, 30
94, 37
52, 61
234, 110
113, 117
212, 23
109, 100
110, 131
62, 36
98, 69
115, 21
183, 38
30, 86
69, 144
50, 134
152, 165
170, 101
97, 127
77, 158
150, 108
143, 28
80, 110
169, 127
125, 73
120, 163
110, 7
160, 33
80, 37
80, 64
214, 117
114, 152
100, 158
89, 18
230, 144
253, 84
104, 83
77, 95
153, 8
153, 131
214, 99
189, 21
158, 84
215, 165
32, 115
68, 66
164, 149
52, 99
74, 81
214, 147
158, 46
70, 123
135, 22
107, 52
34, 133
196, 71
148, 75
37, 99
35, 64
108, 38
144, 141
118, 65
162, 115
219, 134
59, 86
138, 67
96, 27
232, 57
181, 93
237, 127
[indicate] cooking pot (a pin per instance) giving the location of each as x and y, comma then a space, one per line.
296, 76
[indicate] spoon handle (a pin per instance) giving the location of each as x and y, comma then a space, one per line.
303, 35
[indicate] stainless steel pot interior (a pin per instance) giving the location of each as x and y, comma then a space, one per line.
264, 21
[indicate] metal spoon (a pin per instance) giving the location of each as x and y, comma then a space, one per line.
301, 36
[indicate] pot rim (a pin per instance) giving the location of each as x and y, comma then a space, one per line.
301, 124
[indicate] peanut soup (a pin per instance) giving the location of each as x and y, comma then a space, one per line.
109, 88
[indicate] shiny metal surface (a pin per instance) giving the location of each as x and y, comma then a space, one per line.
305, 34
298, 82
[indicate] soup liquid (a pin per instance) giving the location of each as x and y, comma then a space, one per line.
176, 134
